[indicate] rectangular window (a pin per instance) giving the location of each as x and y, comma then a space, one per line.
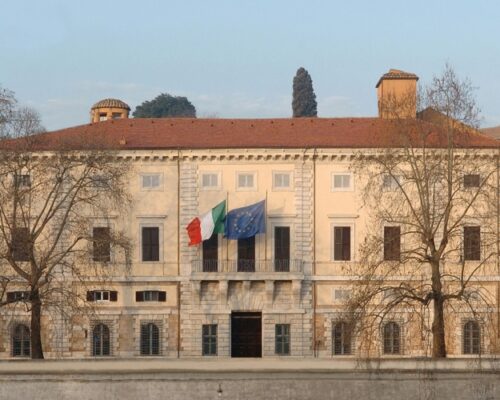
151, 244
281, 180
472, 181
392, 243
472, 243
341, 294
341, 182
390, 182
209, 339
22, 181
211, 253
151, 295
246, 254
245, 181
102, 295
282, 248
102, 244
282, 339
18, 296
103, 117
116, 115
100, 181
342, 243
150, 181
210, 180
20, 247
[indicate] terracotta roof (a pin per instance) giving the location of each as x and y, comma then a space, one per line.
396, 74
108, 103
189, 133
493, 132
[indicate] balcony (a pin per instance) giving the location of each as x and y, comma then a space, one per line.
247, 269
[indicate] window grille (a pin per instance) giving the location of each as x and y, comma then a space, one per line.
392, 338
209, 340
21, 346
150, 340
101, 340
471, 338
341, 339
282, 339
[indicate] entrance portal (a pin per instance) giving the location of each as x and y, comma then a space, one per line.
246, 334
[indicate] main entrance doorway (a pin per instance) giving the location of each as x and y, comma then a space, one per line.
246, 334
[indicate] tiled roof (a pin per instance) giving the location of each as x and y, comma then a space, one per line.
192, 133
493, 132
108, 103
396, 74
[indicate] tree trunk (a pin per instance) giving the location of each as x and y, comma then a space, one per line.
438, 337
36, 334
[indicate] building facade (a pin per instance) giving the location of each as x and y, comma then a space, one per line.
277, 294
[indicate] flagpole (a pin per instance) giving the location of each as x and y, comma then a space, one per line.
227, 240
265, 231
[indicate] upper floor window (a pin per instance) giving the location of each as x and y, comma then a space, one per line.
103, 116
471, 338
101, 237
341, 294
210, 180
392, 243
472, 181
18, 296
151, 295
150, 339
100, 181
101, 340
342, 182
116, 115
390, 182
22, 180
20, 246
282, 339
21, 341
472, 243
342, 243
150, 243
246, 181
341, 339
151, 181
210, 253
281, 180
392, 338
282, 248
102, 295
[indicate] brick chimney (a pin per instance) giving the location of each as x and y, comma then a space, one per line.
397, 95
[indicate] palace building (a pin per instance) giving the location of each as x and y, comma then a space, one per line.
274, 294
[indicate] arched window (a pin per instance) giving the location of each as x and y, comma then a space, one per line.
150, 340
392, 338
341, 339
472, 338
100, 340
21, 341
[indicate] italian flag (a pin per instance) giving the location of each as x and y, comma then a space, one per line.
201, 228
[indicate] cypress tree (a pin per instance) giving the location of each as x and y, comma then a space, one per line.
304, 100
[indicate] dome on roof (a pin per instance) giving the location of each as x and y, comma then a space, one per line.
111, 103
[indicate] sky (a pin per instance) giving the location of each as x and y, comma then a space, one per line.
237, 58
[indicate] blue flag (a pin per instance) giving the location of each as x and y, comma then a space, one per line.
245, 222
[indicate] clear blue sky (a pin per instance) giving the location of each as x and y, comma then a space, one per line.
237, 58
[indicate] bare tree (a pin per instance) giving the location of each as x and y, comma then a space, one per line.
432, 233
49, 203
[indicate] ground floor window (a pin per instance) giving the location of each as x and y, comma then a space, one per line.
150, 340
209, 340
392, 338
101, 340
21, 341
341, 339
282, 339
471, 338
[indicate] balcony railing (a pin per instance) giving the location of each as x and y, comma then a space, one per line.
229, 266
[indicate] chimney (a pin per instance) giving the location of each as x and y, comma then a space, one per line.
397, 95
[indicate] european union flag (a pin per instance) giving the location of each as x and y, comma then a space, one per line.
245, 222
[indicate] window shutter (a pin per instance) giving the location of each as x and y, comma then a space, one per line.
90, 295
162, 296
113, 295
139, 296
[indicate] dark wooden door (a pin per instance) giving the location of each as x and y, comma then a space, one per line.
246, 334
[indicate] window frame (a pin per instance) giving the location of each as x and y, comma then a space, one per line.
105, 338
465, 253
389, 339
350, 188
288, 188
18, 253
468, 186
24, 344
384, 243
345, 345
471, 345
209, 340
150, 296
393, 186
142, 175
282, 339
152, 347
217, 187
160, 242
110, 255
246, 188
